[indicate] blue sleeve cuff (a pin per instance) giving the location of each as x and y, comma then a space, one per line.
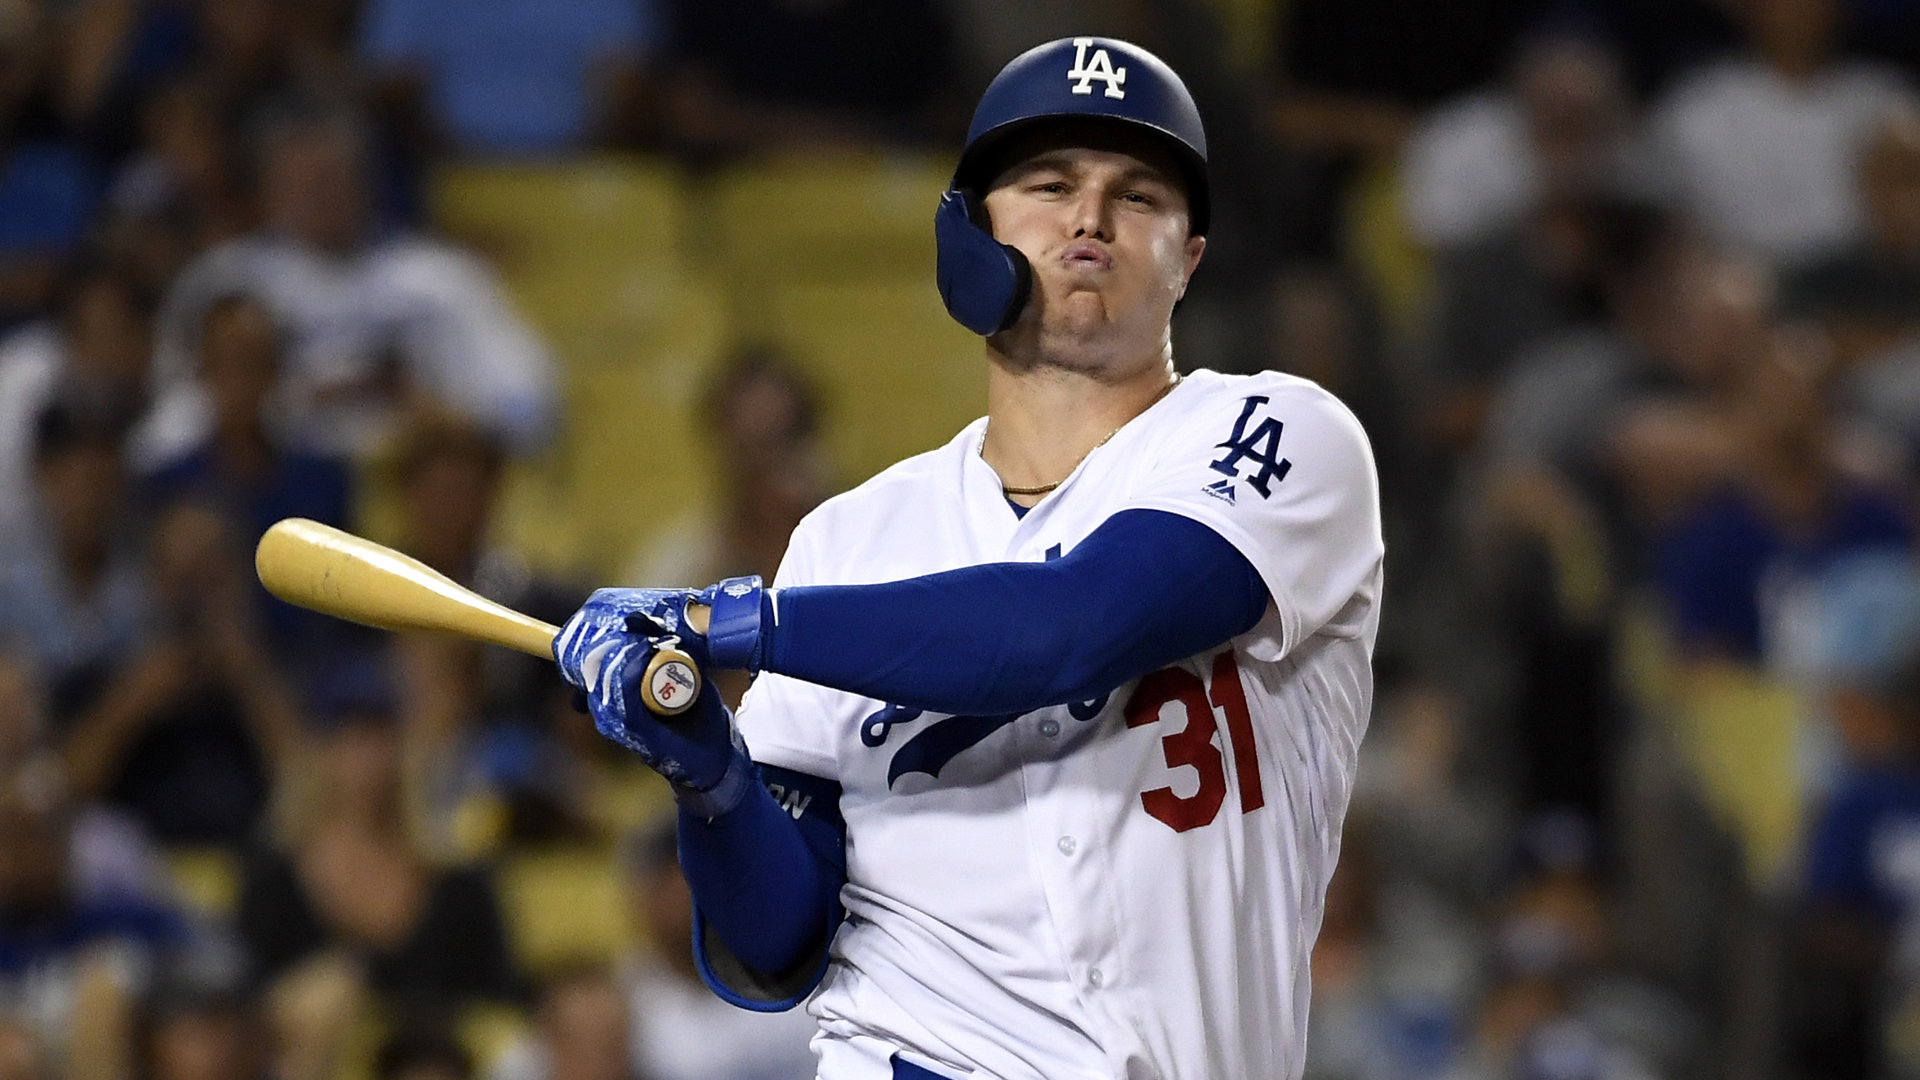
736, 617
744, 989
724, 796
771, 873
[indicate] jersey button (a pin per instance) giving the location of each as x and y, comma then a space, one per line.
1049, 727
1067, 845
1094, 978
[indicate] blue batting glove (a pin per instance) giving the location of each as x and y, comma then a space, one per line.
604, 650
734, 628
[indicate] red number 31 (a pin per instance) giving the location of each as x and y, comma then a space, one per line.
1194, 746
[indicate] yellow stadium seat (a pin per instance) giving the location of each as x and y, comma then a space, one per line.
206, 878
828, 218
361, 1045
487, 1031
634, 458
900, 376
1740, 729
626, 796
593, 254
641, 281
591, 251
1384, 247
605, 212
564, 907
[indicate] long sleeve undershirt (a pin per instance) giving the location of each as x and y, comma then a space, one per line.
1145, 589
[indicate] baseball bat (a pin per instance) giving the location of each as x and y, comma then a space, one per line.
337, 573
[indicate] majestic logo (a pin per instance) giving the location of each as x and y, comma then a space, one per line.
1222, 490
1262, 445
1099, 67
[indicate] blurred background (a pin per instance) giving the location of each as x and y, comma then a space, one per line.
561, 293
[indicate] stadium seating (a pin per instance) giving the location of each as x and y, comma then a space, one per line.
642, 279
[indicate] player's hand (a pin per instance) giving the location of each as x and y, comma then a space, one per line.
604, 650
724, 632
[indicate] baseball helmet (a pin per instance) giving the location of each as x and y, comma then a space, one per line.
986, 284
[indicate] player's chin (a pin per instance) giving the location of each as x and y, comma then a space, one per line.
1077, 312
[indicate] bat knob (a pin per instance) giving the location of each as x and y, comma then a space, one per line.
671, 683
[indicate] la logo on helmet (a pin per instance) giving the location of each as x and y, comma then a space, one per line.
1101, 67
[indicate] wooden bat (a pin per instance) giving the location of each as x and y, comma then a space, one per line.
337, 573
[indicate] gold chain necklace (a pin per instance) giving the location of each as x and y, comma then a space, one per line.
1008, 489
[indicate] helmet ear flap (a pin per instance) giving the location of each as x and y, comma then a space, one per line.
984, 283
976, 205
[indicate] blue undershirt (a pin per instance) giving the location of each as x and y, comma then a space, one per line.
1145, 589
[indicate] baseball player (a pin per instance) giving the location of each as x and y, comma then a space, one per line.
1054, 727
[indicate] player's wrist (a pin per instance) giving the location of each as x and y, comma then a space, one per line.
723, 795
736, 621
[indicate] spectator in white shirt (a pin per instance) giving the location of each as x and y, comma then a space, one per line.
377, 326
1561, 130
1763, 146
95, 351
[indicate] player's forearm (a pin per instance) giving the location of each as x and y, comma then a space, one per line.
1145, 589
768, 895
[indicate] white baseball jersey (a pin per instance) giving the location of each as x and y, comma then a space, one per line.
1122, 888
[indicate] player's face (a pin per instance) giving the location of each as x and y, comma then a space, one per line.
1106, 229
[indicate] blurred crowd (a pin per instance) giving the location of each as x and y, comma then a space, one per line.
1627, 293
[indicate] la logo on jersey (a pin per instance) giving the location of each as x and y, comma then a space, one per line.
1261, 446
1100, 67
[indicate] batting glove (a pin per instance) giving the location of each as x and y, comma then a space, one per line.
734, 627
604, 650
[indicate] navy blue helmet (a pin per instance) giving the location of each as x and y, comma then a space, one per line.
985, 283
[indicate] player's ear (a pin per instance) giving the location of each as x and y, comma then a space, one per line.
1196, 247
